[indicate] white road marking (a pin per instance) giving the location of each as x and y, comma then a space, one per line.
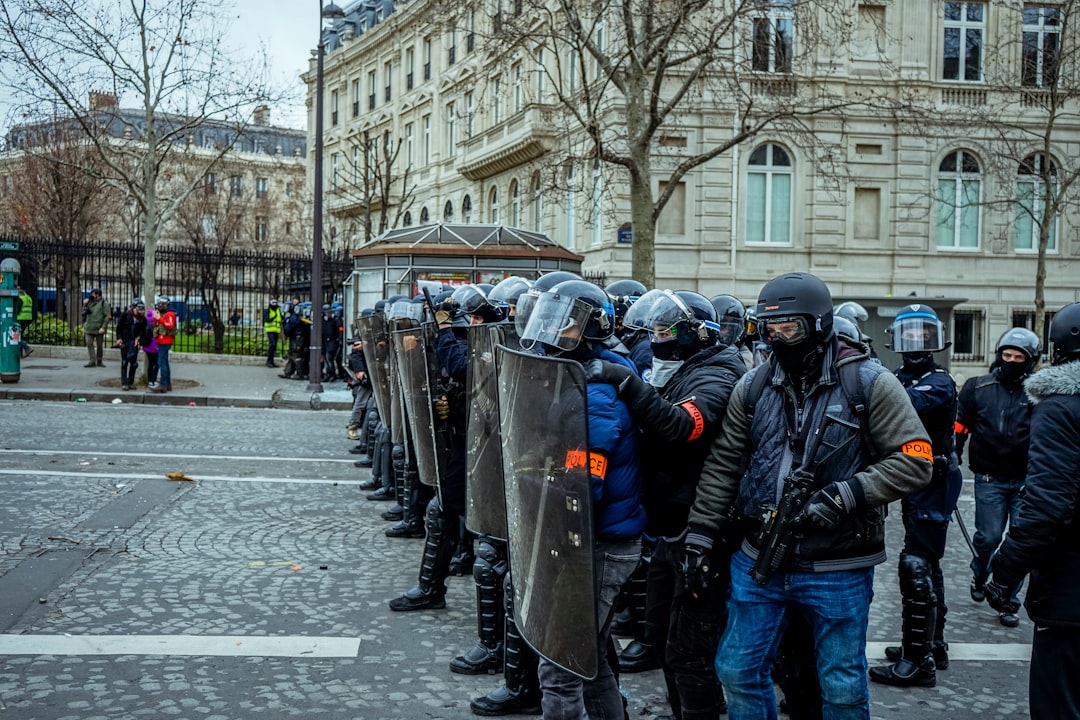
966, 651
195, 476
124, 454
180, 645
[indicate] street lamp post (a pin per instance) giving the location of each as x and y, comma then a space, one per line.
326, 12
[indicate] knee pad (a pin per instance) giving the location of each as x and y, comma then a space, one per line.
915, 581
433, 517
490, 565
398, 455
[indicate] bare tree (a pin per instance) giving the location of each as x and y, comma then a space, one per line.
164, 55
1018, 111
658, 89
212, 221
378, 196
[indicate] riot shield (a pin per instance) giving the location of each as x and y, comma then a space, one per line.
410, 352
544, 424
440, 428
373, 332
485, 506
398, 434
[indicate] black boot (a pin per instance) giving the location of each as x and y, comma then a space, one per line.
383, 493
411, 528
638, 657
418, 598
394, 513
939, 649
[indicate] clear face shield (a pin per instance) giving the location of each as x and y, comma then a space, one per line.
658, 312
556, 321
917, 334
406, 310
525, 304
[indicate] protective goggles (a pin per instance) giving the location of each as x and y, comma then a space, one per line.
790, 330
557, 321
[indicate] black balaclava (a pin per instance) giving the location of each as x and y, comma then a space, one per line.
1012, 373
802, 359
918, 361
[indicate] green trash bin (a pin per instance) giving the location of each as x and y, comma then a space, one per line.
10, 330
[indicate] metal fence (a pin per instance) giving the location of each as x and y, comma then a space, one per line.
218, 295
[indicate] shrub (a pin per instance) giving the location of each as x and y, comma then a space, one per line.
48, 330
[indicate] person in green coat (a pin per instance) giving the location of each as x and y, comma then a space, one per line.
24, 315
96, 317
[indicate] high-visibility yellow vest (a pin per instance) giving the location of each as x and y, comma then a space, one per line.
26, 309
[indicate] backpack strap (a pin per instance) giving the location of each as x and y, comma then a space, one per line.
757, 386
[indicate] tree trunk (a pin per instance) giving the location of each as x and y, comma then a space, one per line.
1040, 269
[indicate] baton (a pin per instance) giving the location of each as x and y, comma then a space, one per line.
965, 533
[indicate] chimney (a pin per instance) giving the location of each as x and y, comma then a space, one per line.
262, 115
102, 100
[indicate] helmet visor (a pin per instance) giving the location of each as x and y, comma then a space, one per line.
525, 304
916, 333
657, 310
556, 320
406, 309
790, 330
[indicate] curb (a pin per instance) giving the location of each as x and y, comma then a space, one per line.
171, 399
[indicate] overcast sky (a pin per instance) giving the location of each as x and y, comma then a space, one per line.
289, 29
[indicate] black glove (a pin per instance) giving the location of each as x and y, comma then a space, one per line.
605, 371
695, 567
999, 597
828, 506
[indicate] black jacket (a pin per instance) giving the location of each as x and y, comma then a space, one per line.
997, 418
1045, 539
130, 328
679, 423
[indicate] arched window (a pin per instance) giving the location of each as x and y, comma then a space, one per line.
493, 205
466, 209
515, 204
425, 218
406, 219
448, 212
1036, 180
768, 196
959, 193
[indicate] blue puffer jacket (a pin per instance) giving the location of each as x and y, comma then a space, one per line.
617, 510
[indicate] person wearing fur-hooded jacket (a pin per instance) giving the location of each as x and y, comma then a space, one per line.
1045, 539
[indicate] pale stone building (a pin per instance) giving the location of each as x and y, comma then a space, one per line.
921, 206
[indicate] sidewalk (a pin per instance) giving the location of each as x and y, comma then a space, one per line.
57, 374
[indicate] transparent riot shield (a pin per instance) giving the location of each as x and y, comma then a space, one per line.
398, 419
485, 506
410, 352
440, 427
544, 424
373, 332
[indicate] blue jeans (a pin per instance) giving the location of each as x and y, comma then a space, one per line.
997, 501
165, 377
837, 606
565, 695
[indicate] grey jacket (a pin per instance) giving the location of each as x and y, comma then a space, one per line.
748, 463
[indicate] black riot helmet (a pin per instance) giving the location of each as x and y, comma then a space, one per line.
570, 313
474, 306
794, 316
916, 329
845, 329
624, 293
542, 284
731, 317
380, 305
1065, 335
679, 323
507, 292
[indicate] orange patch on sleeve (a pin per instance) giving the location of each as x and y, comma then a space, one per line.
598, 465
697, 417
918, 449
960, 429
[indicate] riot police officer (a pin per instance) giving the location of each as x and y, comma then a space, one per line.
679, 415
917, 333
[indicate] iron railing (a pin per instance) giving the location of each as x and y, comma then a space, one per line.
218, 295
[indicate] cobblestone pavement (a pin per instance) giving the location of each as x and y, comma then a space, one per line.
273, 539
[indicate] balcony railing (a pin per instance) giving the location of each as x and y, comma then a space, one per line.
523, 137
964, 96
